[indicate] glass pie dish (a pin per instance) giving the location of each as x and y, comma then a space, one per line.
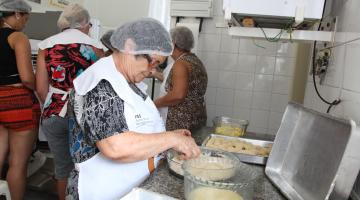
218, 175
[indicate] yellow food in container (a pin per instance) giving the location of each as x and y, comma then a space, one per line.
230, 126
229, 131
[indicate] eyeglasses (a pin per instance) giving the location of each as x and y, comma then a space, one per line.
152, 62
90, 24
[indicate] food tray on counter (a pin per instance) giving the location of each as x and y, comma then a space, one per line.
255, 159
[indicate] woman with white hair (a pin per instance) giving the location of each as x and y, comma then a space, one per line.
60, 60
117, 134
19, 109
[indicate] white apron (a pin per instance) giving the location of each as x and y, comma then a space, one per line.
162, 92
100, 177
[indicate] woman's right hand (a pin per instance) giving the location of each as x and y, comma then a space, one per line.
185, 144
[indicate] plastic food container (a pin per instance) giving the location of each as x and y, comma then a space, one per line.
218, 175
230, 126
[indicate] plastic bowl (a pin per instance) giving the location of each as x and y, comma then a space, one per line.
230, 126
234, 180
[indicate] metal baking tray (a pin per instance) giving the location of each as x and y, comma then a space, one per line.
261, 160
314, 156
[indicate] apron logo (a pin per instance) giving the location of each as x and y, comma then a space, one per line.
138, 116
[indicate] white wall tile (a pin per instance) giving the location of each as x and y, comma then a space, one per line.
261, 100
247, 46
275, 120
224, 111
213, 77
287, 49
228, 61
241, 113
285, 66
217, 9
259, 118
279, 102
242, 99
210, 95
352, 69
265, 65
281, 84
210, 59
270, 48
224, 97
246, 63
209, 42
351, 105
229, 44
263, 82
227, 79
257, 130
211, 114
244, 81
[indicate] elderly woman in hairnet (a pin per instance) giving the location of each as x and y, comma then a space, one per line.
182, 103
61, 59
117, 133
19, 108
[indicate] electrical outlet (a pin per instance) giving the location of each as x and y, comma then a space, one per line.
323, 56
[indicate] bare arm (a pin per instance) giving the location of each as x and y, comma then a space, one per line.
99, 52
132, 146
21, 45
42, 79
180, 82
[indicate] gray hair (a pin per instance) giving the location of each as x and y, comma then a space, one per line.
182, 37
14, 6
73, 16
105, 39
143, 36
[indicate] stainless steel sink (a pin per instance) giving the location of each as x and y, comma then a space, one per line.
314, 156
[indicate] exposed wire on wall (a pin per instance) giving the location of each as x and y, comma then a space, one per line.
331, 104
336, 101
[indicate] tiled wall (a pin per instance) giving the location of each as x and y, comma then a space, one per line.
245, 81
342, 80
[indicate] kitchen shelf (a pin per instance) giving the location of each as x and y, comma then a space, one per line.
296, 35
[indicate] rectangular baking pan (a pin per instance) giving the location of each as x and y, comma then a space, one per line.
314, 156
244, 157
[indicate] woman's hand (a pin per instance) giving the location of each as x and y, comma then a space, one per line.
185, 144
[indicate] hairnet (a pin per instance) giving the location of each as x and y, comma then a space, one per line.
105, 39
73, 16
14, 6
182, 37
143, 36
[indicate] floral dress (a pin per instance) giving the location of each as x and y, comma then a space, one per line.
191, 113
64, 62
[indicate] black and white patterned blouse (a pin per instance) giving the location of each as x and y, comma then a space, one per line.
102, 116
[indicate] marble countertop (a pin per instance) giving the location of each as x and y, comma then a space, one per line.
161, 181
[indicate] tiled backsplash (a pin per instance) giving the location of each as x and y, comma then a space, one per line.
248, 79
